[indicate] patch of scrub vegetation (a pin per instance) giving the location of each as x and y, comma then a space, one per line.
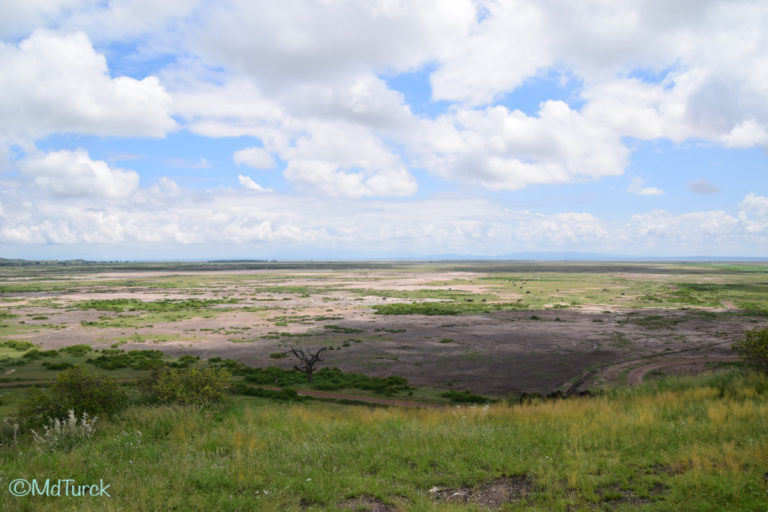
304, 291
147, 320
114, 359
426, 293
165, 305
446, 308
19, 346
341, 330
326, 379
148, 338
465, 397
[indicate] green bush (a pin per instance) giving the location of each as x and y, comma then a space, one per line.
445, 308
184, 361
186, 386
57, 366
331, 379
164, 305
286, 394
76, 350
75, 389
21, 346
465, 397
113, 359
753, 349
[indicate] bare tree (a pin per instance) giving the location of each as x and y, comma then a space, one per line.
308, 360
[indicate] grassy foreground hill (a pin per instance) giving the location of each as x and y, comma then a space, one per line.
694, 444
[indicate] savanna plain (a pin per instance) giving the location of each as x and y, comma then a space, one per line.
440, 385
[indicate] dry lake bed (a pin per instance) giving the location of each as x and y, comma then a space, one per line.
494, 328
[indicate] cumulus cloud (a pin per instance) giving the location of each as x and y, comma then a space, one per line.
452, 224
73, 174
300, 41
337, 155
636, 187
55, 83
501, 149
317, 98
248, 183
324, 159
703, 186
700, 77
255, 157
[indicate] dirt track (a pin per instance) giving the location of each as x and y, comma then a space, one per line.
636, 375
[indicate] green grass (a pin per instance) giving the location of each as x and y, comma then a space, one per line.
677, 444
165, 305
445, 308
426, 293
128, 320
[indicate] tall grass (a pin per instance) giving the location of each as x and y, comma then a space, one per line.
680, 444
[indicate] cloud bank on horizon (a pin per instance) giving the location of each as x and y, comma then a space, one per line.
243, 128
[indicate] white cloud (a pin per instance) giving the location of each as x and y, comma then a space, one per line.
73, 174
305, 42
254, 157
711, 55
499, 149
298, 80
20, 18
703, 186
507, 47
636, 187
56, 83
746, 134
123, 19
290, 225
248, 183
324, 158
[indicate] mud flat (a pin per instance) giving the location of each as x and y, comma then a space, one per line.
492, 328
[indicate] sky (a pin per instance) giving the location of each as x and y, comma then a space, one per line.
301, 129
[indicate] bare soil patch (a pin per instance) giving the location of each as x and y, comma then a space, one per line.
366, 503
493, 494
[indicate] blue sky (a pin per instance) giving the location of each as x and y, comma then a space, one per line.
199, 129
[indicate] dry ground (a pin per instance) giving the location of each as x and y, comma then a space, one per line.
540, 349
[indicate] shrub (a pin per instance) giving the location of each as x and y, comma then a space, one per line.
753, 349
75, 389
21, 346
285, 394
33, 354
331, 379
184, 361
57, 366
113, 359
186, 386
465, 397
76, 350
